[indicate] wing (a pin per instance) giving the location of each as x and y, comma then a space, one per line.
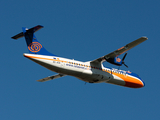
51, 77
120, 50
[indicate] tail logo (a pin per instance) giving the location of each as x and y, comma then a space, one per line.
34, 47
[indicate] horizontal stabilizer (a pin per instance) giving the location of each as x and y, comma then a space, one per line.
51, 77
18, 36
34, 29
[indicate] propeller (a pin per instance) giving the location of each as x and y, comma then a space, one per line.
123, 60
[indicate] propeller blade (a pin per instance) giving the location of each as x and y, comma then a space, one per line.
123, 60
125, 65
124, 57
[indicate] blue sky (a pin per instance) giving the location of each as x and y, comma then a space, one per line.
82, 30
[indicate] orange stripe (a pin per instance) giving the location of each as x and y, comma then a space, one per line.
46, 58
130, 81
39, 58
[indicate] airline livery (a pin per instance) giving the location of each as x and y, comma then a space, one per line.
91, 71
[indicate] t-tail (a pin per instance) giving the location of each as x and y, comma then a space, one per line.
33, 45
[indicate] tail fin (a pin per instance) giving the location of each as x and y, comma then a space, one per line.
33, 45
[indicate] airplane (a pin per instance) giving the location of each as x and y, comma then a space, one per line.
90, 71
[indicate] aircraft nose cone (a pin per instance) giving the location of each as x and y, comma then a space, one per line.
140, 83
143, 83
134, 82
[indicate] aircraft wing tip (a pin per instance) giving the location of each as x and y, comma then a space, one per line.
144, 37
39, 80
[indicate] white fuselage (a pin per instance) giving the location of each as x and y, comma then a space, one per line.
86, 71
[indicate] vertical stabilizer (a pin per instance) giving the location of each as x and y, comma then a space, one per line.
33, 45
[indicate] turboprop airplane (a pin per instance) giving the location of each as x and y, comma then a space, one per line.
90, 71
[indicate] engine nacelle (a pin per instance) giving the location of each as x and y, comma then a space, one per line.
116, 61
